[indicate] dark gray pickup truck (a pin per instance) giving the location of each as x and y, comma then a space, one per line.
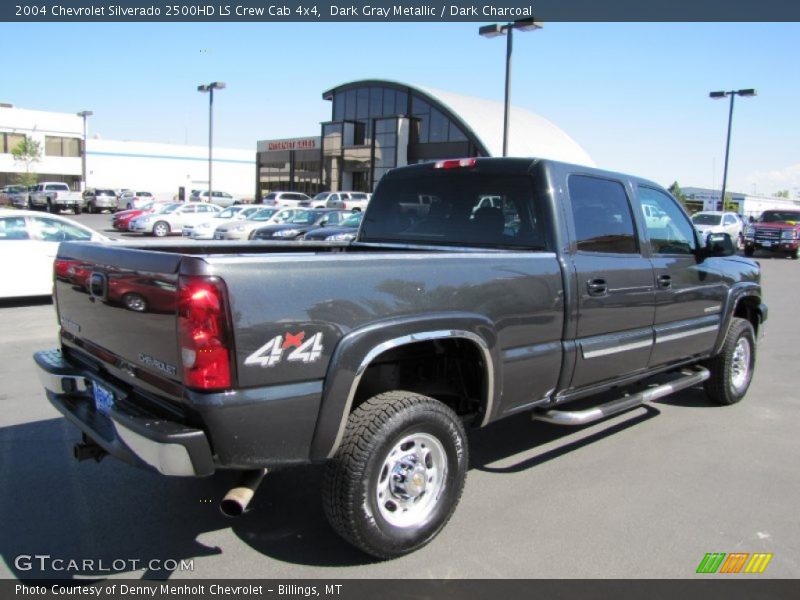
476, 289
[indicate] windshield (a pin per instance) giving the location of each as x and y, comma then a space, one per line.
227, 213
104, 193
262, 215
146, 194
706, 219
322, 195
779, 216
304, 217
353, 220
170, 208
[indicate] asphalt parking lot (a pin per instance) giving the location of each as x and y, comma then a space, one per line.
644, 494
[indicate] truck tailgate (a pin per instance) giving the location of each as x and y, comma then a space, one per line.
117, 306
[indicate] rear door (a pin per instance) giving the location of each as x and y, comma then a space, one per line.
615, 292
689, 293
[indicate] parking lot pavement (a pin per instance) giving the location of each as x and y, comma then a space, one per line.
645, 494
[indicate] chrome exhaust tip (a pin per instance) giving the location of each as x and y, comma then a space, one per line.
235, 502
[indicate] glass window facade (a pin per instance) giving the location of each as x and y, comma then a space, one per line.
61, 146
375, 126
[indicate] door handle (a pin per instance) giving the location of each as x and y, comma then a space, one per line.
664, 282
597, 287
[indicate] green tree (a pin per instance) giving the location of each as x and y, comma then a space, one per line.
781, 194
27, 152
676, 191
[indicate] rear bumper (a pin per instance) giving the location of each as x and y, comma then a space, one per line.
129, 434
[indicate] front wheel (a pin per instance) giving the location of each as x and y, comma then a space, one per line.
795, 254
732, 369
398, 474
749, 251
161, 229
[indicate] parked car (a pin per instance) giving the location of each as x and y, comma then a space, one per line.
345, 231
300, 223
129, 199
96, 200
122, 219
654, 217
14, 195
205, 229
377, 357
55, 196
173, 218
222, 199
713, 221
140, 293
28, 244
776, 231
283, 199
355, 201
243, 230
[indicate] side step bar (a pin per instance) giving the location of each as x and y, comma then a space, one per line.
596, 413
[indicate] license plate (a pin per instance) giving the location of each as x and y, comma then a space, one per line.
103, 399
766, 244
217, 236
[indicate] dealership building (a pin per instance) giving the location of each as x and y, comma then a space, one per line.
377, 125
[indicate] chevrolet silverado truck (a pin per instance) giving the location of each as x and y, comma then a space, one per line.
777, 231
55, 196
375, 356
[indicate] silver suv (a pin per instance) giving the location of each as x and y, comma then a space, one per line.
282, 199
221, 199
96, 200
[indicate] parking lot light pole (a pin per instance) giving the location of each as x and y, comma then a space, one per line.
717, 96
494, 30
84, 114
214, 85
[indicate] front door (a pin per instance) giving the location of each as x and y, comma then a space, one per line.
614, 283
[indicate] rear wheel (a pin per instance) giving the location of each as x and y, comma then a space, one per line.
732, 369
161, 228
49, 207
398, 474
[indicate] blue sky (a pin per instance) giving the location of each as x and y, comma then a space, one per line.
635, 96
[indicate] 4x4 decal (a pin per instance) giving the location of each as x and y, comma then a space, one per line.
271, 353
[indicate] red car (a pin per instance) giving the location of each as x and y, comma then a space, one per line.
121, 219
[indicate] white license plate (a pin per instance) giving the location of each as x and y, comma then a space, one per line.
766, 244
103, 398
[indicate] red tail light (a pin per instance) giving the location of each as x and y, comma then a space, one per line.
203, 333
455, 163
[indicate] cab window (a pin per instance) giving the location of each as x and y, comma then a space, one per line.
671, 232
602, 216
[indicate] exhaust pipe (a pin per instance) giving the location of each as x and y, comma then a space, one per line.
235, 501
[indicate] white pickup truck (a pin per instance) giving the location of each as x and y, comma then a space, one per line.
55, 196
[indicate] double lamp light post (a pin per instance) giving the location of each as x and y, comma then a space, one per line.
214, 85
495, 30
718, 96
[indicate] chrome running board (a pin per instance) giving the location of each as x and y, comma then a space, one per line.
596, 413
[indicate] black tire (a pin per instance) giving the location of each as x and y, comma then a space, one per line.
749, 251
795, 254
161, 228
49, 207
386, 436
77, 210
728, 383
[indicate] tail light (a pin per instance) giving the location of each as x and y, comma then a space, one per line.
204, 333
455, 163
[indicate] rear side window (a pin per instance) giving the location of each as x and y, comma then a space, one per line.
602, 215
449, 207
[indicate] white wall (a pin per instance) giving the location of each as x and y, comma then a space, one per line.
163, 168
38, 124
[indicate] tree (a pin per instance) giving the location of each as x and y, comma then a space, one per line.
781, 194
676, 191
28, 152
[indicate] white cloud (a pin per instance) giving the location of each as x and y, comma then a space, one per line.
786, 178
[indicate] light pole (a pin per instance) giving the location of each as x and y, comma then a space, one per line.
717, 96
84, 114
214, 85
494, 30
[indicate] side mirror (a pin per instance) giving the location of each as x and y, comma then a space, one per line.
720, 244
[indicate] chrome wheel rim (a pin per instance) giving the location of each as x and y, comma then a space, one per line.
411, 480
160, 230
740, 366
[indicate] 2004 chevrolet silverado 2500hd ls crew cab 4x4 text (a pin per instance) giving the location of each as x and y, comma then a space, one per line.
375, 356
